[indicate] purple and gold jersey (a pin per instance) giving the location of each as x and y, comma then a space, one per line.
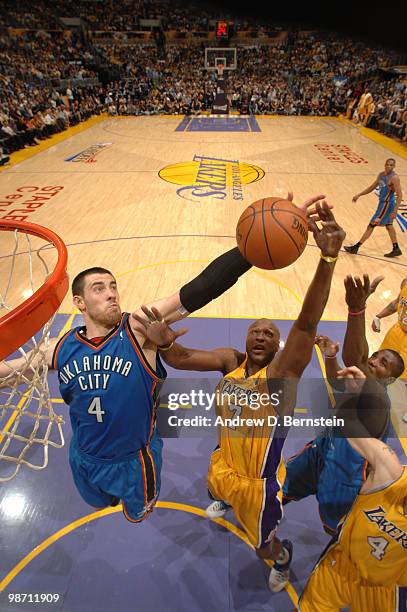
374, 535
248, 424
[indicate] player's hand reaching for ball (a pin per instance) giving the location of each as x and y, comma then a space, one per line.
328, 347
354, 378
308, 206
330, 236
357, 291
155, 328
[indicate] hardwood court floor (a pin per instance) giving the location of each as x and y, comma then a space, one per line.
105, 190
116, 211
123, 194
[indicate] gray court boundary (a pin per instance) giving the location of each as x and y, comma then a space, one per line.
154, 236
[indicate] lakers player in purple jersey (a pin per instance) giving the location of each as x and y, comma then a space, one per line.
247, 470
110, 377
390, 196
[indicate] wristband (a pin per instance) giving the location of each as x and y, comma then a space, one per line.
329, 259
355, 314
166, 348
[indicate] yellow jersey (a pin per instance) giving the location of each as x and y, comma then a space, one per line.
247, 421
373, 535
402, 308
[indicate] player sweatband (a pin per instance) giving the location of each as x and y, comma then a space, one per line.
355, 314
166, 348
329, 259
217, 278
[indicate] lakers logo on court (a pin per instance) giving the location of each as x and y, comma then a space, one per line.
211, 177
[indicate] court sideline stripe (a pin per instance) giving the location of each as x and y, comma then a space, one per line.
377, 137
152, 236
106, 511
23, 154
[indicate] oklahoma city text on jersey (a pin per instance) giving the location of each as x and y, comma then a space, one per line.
84, 370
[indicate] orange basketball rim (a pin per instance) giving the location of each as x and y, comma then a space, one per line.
21, 323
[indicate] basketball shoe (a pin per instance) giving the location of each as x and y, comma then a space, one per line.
217, 509
396, 252
353, 249
280, 572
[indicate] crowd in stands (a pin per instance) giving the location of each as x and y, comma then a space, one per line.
107, 15
30, 114
304, 77
45, 76
35, 56
382, 106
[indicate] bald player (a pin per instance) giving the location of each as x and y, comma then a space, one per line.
246, 470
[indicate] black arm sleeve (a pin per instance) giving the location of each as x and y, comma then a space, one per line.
217, 278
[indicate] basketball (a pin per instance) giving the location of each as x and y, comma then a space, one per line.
272, 233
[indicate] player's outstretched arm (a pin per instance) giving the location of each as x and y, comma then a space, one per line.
355, 347
387, 311
367, 190
330, 349
158, 333
218, 360
211, 283
10, 369
382, 459
296, 355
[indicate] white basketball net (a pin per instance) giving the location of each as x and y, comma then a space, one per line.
28, 423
